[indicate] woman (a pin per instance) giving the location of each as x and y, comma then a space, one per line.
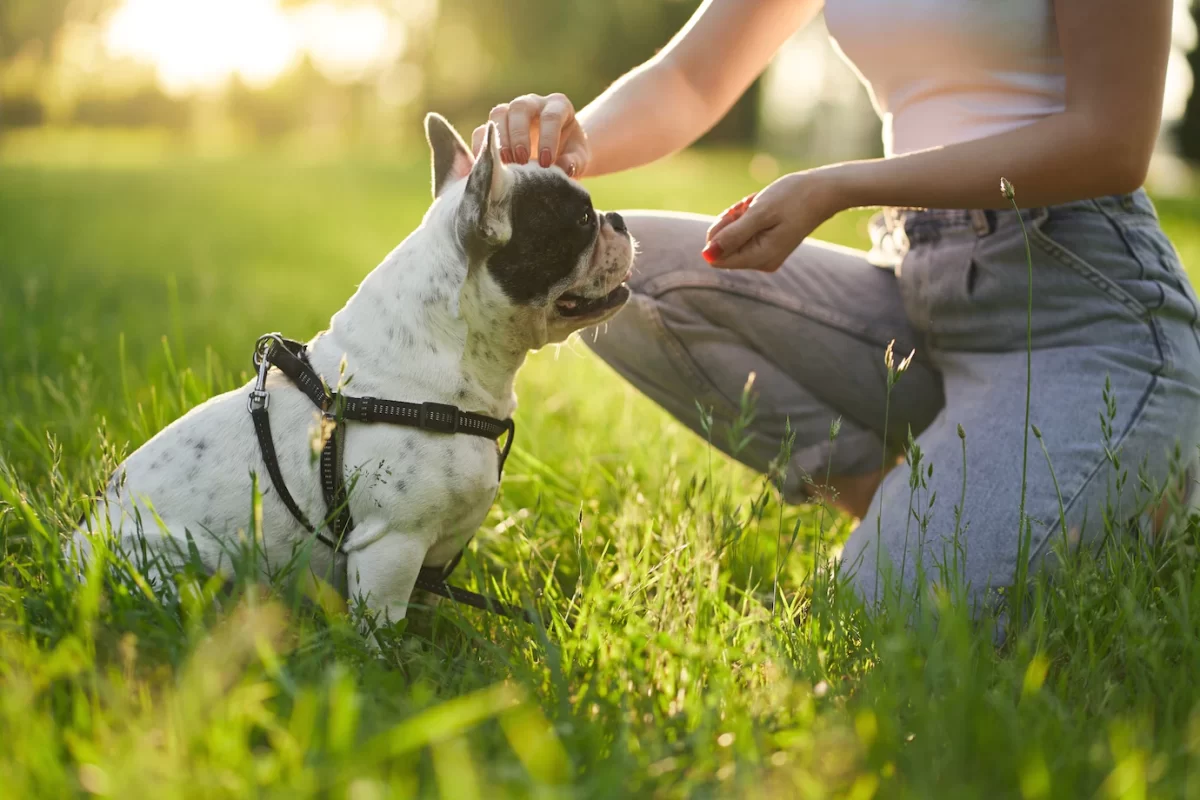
1062, 98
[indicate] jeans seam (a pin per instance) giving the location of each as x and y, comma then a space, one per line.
701, 382
1121, 233
1088, 272
814, 313
1140, 412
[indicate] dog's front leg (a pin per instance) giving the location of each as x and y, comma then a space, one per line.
384, 572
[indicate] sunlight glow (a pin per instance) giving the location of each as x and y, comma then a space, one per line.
199, 44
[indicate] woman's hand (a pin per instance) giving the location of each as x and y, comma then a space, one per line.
545, 126
763, 229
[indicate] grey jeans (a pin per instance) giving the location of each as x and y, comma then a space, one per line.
1115, 366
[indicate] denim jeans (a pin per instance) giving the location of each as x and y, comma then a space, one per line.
1115, 391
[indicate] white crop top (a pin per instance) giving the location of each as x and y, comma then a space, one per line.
947, 71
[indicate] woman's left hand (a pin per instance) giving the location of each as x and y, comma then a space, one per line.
763, 229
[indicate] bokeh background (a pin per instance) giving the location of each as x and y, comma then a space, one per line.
178, 176
333, 76
205, 170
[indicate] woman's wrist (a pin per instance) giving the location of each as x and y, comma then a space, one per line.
833, 188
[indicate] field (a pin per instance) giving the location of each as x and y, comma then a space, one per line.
708, 657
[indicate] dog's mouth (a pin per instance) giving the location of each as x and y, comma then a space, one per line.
577, 305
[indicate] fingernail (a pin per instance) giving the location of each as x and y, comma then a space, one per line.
546, 158
711, 253
505, 155
522, 154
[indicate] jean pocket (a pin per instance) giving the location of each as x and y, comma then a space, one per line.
1065, 239
1160, 262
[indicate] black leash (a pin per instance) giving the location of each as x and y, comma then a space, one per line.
291, 358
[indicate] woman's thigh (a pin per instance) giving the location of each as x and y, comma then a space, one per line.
960, 523
1114, 396
813, 335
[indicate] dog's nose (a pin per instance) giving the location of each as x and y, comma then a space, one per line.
615, 220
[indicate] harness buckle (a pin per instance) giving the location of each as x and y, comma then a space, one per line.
439, 417
259, 398
262, 347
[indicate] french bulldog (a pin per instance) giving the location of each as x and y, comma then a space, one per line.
507, 259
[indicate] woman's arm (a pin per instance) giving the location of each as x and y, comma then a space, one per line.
672, 100
1115, 56
662, 106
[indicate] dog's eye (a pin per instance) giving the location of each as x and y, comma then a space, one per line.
585, 219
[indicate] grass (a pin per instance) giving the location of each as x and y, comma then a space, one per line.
709, 657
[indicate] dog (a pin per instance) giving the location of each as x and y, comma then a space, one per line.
507, 259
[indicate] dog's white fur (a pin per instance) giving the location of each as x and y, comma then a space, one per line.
427, 324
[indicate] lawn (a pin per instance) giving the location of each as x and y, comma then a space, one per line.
708, 657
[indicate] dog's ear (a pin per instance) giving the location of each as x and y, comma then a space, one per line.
452, 158
484, 217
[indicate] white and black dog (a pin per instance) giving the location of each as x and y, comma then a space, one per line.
507, 259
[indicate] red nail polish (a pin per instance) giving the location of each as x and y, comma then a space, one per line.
505, 155
712, 252
522, 153
546, 158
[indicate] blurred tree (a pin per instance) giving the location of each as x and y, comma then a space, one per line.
29, 31
145, 107
1189, 127
283, 106
36, 23
481, 54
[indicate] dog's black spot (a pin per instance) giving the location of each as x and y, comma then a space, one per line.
207, 521
412, 470
193, 473
391, 333
460, 395
200, 446
401, 487
553, 225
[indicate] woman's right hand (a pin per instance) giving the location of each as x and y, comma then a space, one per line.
544, 127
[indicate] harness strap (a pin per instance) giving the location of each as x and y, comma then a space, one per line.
291, 358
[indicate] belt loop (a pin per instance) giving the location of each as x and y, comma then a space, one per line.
981, 222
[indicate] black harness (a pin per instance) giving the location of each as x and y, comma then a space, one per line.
291, 358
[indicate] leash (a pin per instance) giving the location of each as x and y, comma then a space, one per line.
291, 358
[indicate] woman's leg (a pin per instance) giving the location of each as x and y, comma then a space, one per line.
813, 334
1115, 397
